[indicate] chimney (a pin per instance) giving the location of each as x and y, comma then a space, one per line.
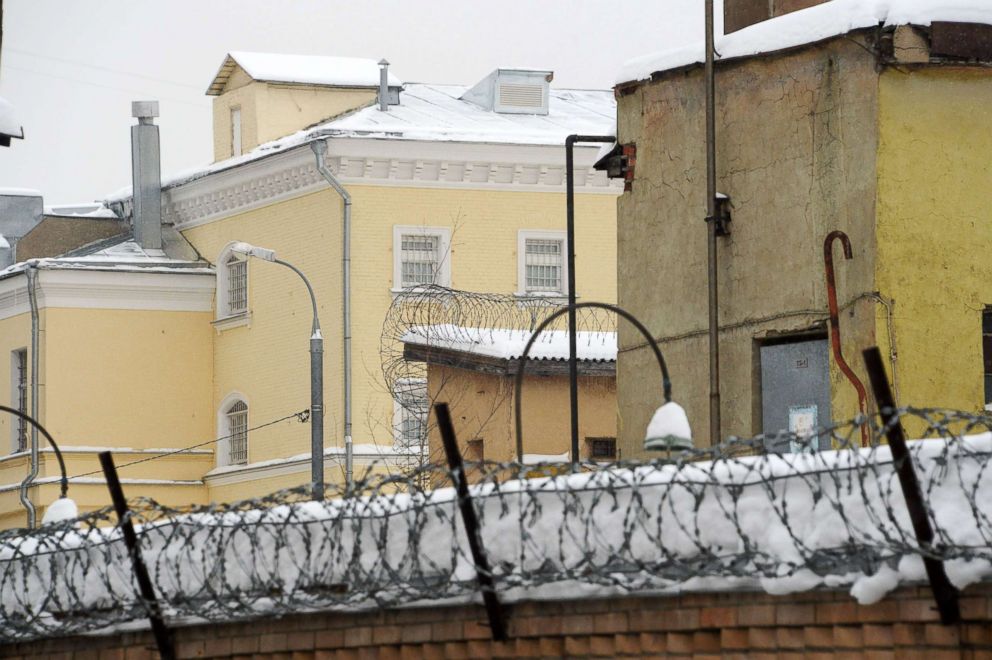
146, 176
383, 85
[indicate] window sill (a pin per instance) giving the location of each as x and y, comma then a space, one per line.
228, 322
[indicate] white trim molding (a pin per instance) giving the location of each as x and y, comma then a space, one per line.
380, 162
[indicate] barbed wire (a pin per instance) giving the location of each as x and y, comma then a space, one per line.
738, 514
439, 317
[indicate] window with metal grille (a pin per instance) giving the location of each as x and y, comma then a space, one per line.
237, 432
602, 448
236, 131
19, 396
237, 285
411, 397
987, 354
419, 259
543, 264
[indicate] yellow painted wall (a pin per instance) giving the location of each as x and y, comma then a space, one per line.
482, 408
267, 360
934, 196
274, 110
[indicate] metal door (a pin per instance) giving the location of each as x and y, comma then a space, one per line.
795, 392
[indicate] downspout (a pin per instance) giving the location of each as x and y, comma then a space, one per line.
713, 229
319, 148
31, 272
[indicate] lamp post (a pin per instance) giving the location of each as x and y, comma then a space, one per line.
68, 510
669, 427
316, 370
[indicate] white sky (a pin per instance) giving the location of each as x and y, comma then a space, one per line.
72, 67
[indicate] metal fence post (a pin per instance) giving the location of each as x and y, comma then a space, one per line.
944, 592
163, 637
494, 609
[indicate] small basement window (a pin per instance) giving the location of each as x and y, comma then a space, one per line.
602, 449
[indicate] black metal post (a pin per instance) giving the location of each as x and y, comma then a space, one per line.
573, 365
163, 637
64, 479
944, 592
494, 610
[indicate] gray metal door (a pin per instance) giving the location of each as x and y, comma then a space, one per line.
795, 391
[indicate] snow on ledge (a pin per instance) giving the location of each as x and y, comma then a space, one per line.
509, 344
808, 26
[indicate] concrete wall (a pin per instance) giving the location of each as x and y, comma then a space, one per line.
933, 230
482, 408
733, 624
796, 141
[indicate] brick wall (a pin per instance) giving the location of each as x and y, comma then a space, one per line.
739, 14
734, 624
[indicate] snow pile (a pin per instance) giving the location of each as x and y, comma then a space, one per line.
509, 344
809, 26
312, 69
60, 510
779, 523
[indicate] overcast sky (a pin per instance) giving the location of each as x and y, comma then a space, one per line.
72, 67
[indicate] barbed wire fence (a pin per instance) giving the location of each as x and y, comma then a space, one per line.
733, 516
471, 321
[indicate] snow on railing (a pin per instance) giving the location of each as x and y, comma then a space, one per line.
731, 517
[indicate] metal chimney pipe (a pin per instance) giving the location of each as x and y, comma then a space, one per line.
146, 176
383, 85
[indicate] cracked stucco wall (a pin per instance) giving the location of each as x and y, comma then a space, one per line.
796, 144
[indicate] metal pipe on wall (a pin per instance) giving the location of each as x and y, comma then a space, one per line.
711, 220
319, 148
31, 272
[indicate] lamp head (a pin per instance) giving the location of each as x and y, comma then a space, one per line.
253, 251
669, 429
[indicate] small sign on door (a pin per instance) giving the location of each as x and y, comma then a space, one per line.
803, 424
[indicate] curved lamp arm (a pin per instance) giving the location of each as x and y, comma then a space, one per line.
666, 383
64, 483
315, 326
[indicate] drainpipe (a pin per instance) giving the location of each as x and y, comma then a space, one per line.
31, 272
711, 217
319, 148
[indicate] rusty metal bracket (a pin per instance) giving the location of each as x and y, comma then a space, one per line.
944, 593
484, 574
828, 263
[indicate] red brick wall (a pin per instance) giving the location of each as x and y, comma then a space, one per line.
739, 14
736, 624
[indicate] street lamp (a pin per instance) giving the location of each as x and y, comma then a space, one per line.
316, 370
63, 508
669, 428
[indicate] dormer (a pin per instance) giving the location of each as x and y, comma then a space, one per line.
264, 96
513, 91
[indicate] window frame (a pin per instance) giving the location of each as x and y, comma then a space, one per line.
225, 431
401, 388
19, 398
443, 234
237, 131
525, 235
223, 318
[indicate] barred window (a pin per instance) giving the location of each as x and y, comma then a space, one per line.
412, 408
543, 264
19, 396
419, 259
237, 285
602, 449
237, 431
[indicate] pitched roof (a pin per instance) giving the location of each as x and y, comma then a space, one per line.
808, 26
300, 69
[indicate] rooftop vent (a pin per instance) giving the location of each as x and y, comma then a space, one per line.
513, 91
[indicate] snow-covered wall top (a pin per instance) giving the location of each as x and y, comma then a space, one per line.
809, 26
509, 344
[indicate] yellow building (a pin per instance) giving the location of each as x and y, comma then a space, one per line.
448, 185
826, 120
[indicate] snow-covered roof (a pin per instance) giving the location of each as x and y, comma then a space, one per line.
9, 124
301, 69
83, 210
20, 192
808, 26
509, 344
436, 113
118, 254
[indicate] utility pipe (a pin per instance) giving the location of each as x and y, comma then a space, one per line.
319, 148
711, 220
31, 272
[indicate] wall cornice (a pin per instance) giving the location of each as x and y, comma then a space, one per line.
381, 162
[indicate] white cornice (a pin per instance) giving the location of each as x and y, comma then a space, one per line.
228, 475
89, 289
382, 162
